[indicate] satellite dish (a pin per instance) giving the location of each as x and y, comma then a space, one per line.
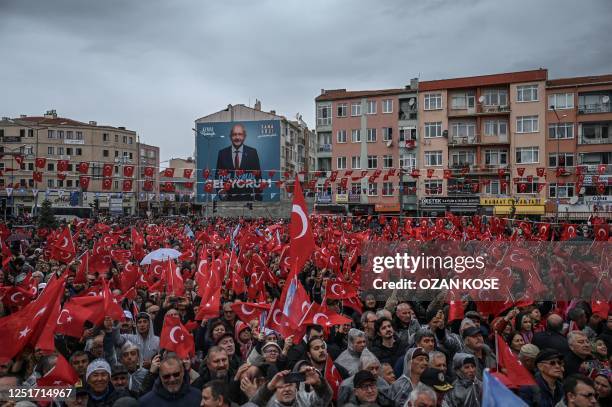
389, 143
573, 200
582, 190
481, 99
605, 99
411, 102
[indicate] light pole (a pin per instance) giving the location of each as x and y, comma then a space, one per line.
208, 137
558, 161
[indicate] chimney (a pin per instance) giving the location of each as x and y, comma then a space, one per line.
257, 105
121, 128
23, 116
273, 112
93, 123
414, 83
51, 114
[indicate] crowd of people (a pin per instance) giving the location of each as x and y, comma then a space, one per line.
397, 352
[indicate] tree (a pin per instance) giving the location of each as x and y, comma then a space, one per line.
46, 219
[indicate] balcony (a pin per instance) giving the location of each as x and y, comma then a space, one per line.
595, 140
325, 148
409, 144
595, 108
11, 139
477, 140
480, 110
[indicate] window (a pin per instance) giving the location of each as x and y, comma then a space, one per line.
560, 131
69, 135
433, 158
68, 183
387, 133
116, 167
50, 150
341, 163
96, 170
561, 101
104, 153
105, 137
51, 133
387, 188
527, 93
527, 155
372, 188
116, 138
495, 128
79, 135
130, 140
561, 191
372, 162
371, 136
387, 106
22, 132
532, 187
131, 155
371, 107
356, 109
527, 124
50, 167
30, 166
341, 136
433, 187
561, 160
116, 153
30, 133
116, 184
356, 135
50, 183
462, 158
495, 97
79, 151
60, 134
356, 188
69, 150
356, 162
596, 133
124, 139
433, 101
463, 129
433, 129
341, 110
408, 161
60, 151
492, 188
496, 157
387, 161
60, 183
408, 133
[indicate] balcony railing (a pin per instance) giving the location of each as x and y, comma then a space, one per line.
595, 108
479, 110
476, 139
325, 148
598, 140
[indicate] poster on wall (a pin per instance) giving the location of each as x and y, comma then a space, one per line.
234, 159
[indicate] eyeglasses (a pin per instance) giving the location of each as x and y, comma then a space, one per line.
368, 386
555, 363
174, 375
588, 395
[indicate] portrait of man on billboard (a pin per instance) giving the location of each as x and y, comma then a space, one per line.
239, 156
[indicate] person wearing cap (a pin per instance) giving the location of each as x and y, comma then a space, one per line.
474, 345
436, 379
366, 391
144, 338
99, 387
549, 391
130, 359
527, 357
467, 388
369, 362
349, 358
119, 377
416, 361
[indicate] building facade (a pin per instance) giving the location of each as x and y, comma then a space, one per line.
364, 137
579, 146
148, 200
58, 141
177, 192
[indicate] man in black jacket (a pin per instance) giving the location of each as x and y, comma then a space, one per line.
171, 388
552, 338
580, 351
387, 346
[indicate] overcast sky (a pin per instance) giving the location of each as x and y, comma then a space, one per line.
155, 66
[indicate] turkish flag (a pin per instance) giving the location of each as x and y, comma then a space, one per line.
62, 249
501, 172
540, 171
187, 173
148, 171
107, 184
107, 170
127, 185
601, 188
455, 311
37, 176
332, 376
601, 232
128, 171
174, 280
71, 320
62, 165
205, 173
84, 182
83, 167
188, 185
176, 338
60, 375
82, 271
522, 187
601, 169
128, 277
148, 185
569, 232
430, 172
211, 303
111, 304
169, 172
316, 315
61, 175
520, 171
247, 311
447, 174
40, 162
300, 230
27, 325
339, 290
509, 365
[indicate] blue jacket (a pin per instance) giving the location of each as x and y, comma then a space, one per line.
187, 396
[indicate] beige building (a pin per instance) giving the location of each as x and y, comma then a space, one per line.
148, 199
179, 197
60, 140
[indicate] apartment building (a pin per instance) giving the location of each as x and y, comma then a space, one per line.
63, 141
579, 146
148, 199
178, 187
360, 134
483, 137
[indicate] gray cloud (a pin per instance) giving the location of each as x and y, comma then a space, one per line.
155, 66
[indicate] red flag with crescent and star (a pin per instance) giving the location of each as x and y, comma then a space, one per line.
176, 338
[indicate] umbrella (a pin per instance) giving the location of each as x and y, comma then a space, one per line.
160, 254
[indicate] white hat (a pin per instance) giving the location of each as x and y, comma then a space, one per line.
97, 364
127, 314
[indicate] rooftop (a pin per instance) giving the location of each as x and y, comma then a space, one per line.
485, 80
339, 94
580, 80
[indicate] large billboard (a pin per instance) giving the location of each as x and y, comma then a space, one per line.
238, 158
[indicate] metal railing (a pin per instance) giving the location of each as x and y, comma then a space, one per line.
595, 108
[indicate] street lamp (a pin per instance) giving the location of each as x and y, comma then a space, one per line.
208, 137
